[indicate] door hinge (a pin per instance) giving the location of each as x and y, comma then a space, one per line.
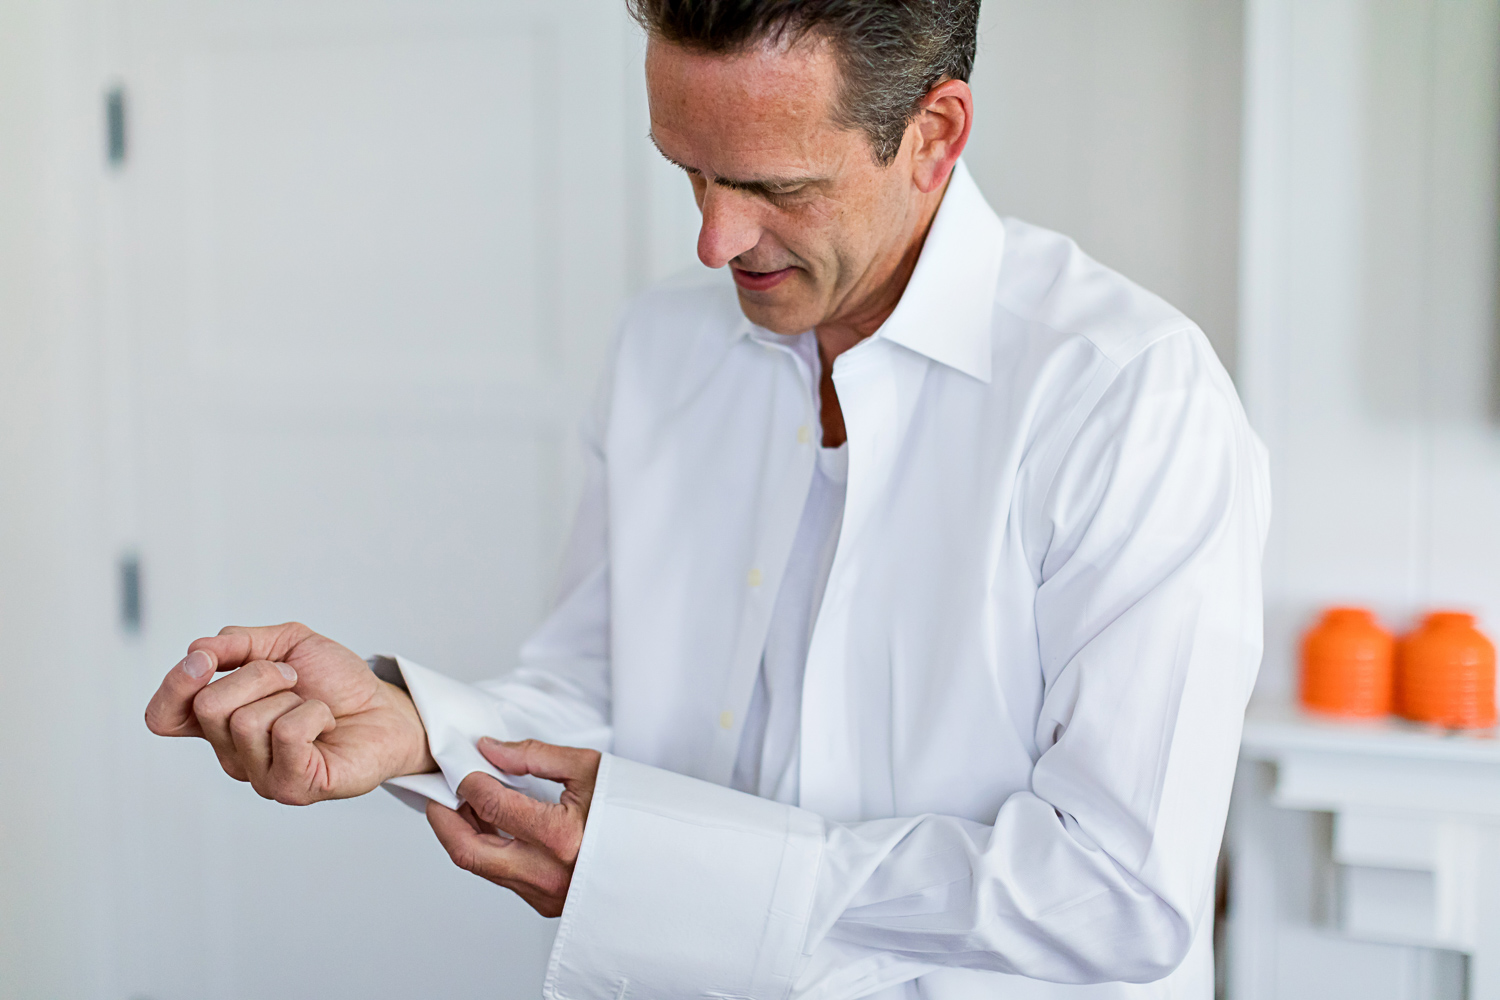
130, 593
114, 126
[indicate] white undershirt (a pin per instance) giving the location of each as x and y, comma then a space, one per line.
770, 746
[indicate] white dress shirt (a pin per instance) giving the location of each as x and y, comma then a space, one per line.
768, 761
1024, 683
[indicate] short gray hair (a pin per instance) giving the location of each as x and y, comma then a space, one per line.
891, 52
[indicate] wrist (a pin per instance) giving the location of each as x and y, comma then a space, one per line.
415, 756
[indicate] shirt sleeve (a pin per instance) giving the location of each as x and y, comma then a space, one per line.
1148, 613
559, 691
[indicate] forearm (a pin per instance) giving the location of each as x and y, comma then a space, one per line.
683, 885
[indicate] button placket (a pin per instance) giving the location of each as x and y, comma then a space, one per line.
783, 497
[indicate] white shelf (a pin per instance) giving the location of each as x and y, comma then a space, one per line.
1274, 729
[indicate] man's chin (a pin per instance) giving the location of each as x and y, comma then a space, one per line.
788, 318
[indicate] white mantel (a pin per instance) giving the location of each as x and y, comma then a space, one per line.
1409, 855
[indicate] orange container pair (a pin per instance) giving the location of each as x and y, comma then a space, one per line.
1443, 673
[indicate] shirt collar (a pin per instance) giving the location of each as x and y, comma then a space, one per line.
946, 311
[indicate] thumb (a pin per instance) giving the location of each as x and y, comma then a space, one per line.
170, 711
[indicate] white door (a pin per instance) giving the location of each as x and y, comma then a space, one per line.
365, 257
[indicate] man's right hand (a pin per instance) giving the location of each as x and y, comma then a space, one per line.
301, 718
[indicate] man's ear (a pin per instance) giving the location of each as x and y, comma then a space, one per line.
942, 128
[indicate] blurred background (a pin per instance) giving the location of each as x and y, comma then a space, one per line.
300, 302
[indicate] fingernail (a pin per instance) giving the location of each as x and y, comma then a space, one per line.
287, 672
489, 741
196, 664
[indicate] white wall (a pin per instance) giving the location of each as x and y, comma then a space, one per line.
1118, 123
1369, 345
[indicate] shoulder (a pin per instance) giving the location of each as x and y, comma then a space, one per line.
690, 305
1080, 330
1051, 289
1111, 368
677, 327
669, 340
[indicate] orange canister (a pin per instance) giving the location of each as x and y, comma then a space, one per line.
1348, 665
1448, 673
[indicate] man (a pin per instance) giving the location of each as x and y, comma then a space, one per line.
910, 615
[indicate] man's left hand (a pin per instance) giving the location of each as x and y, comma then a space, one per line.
538, 864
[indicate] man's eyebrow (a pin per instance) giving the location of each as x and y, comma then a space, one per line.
763, 185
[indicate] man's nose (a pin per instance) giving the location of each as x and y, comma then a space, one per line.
730, 226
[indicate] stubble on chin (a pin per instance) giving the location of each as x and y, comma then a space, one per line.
784, 321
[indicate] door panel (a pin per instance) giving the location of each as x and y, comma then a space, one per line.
372, 252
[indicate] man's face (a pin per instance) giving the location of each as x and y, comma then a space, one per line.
795, 204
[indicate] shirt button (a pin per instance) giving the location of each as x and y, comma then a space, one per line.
804, 434
754, 578
726, 720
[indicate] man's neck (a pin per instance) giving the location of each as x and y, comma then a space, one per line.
838, 335
889, 278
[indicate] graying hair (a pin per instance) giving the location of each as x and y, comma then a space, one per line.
891, 52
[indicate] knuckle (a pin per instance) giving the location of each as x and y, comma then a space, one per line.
554, 883
292, 796
233, 769
243, 725
207, 704
282, 734
489, 808
483, 799
465, 857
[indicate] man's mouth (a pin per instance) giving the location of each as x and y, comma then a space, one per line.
760, 281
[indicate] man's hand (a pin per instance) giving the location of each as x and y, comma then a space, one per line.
301, 718
538, 864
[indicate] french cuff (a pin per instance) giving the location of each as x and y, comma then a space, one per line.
683, 888
455, 715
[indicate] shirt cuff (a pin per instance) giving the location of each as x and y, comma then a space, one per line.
683, 888
455, 715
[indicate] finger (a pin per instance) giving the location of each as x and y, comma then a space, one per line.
569, 765
250, 731
515, 864
299, 771
480, 826
507, 809
170, 711
231, 765
216, 703
237, 645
